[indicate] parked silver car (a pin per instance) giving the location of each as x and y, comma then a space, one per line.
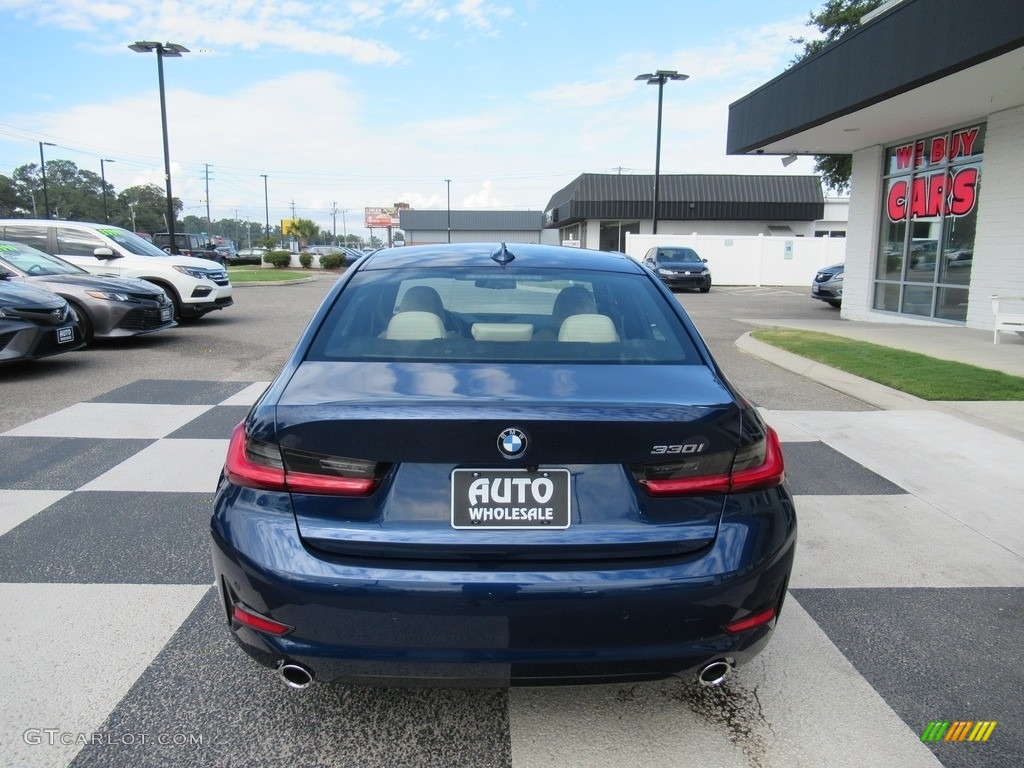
828, 285
107, 307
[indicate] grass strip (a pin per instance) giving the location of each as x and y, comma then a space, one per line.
926, 377
260, 275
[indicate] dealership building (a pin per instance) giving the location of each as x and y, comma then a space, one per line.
928, 98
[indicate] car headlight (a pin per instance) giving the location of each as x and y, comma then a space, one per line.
109, 295
837, 278
198, 274
663, 271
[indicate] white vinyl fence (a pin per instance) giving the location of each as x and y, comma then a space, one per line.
752, 260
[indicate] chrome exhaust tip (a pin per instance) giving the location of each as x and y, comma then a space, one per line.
295, 676
713, 674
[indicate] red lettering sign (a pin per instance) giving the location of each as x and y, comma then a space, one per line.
960, 144
931, 196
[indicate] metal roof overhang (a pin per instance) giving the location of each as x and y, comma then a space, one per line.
922, 66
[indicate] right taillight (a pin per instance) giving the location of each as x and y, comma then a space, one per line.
258, 464
753, 467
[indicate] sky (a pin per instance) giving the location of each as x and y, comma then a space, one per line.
349, 104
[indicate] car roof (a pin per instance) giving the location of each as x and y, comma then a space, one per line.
483, 255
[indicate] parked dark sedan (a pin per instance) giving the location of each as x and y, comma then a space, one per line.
828, 285
679, 267
107, 307
499, 465
35, 323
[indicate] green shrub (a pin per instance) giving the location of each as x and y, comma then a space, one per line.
306, 260
332, 260
279, 259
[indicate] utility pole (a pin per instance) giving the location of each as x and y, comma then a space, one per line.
334, 217
209, 221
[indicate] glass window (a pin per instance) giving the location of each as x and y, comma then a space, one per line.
515, 316
32, 261
917, 300
926, 243
952, 304
77, 242
132, 242
29, 234
887, 297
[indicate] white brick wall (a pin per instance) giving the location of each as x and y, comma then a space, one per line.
999, 244
862, 235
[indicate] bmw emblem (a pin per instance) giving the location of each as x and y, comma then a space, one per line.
512, 443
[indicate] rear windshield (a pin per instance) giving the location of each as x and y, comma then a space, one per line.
461, 315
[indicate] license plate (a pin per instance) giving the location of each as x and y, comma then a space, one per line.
510, 498
165, 314
814, 289
64, 335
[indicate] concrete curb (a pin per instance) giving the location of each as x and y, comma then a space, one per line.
866, 391
981, 414
260, 283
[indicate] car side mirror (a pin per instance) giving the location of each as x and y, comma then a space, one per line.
104, 253
4, 274
705, 261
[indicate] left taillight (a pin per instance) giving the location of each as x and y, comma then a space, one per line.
753, 467
259, 464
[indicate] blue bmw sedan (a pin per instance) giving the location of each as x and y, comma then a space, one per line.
501, 465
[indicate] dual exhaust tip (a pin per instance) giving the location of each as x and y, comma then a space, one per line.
298, 677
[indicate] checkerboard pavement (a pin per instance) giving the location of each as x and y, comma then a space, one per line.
906, 606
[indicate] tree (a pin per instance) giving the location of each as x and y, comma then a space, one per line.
305, 230
833, 20
145, 208
10, 203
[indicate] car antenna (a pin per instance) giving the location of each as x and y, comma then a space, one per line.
503, 255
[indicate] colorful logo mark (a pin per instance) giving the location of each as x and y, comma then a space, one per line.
958, 730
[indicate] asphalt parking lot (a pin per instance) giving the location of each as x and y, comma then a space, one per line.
906, 605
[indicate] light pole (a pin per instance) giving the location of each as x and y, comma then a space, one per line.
162, 50
266, 204
42, 167
449, 183
659, 78
103, 178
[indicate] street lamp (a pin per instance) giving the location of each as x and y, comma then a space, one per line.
42, 167
449, 183
162, 50
103, 178
659, 78
266, 204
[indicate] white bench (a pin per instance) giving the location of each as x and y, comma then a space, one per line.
1009, 314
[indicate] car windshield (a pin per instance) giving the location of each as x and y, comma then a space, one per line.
32, 261
455, 315
131, 242
678, 256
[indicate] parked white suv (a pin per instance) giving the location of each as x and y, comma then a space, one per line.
194, 286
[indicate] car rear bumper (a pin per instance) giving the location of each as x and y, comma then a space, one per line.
453, 624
